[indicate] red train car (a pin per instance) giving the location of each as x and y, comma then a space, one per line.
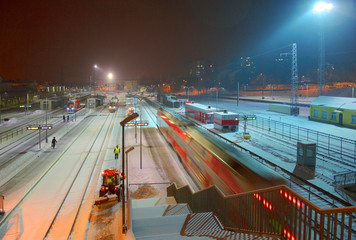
209, 160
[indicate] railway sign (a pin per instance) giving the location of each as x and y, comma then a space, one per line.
246, 117
33, 127
40, 127
137, 124
46, 127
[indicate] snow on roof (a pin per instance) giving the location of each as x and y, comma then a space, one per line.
200, 106
335, 102
226, 113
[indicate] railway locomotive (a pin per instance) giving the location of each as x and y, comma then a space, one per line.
209, 160
113, 103
77, 103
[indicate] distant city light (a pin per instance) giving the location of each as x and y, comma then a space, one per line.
322, 6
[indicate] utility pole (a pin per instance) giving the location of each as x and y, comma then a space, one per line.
238, 92
294, 79
321, 61
46, 119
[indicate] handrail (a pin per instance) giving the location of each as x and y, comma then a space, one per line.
276, 211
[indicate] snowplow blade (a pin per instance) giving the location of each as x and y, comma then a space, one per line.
101, 200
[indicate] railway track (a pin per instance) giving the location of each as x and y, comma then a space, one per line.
11, 131
12, 152
312, 192
61, 216
333, 164
72, 189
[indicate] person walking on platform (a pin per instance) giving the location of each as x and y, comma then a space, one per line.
64, 118
54, 142
117, 151
67, 118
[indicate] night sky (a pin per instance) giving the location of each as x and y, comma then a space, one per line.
60, 41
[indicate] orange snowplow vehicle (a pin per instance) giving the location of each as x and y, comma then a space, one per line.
111, 185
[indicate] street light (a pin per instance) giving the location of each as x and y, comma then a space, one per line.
322, 6
319, 8
46, 119
188, 90
129, 118
127, 171
95, 67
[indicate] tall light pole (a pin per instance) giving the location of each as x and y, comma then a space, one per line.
129, 118
127, 172
141, 132
320, 8
95, 67
46, 119
188, 90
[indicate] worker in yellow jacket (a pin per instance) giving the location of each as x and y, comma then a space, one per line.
117, 151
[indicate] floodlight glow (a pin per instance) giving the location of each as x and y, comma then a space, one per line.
95, 66
322, 6
110, 75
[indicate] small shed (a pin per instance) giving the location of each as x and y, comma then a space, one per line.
226, 121
51, 103
200, 112
95, 101
336, 110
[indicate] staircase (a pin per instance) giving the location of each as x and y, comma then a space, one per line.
163, 218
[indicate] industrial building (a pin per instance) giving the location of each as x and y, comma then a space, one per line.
336, 110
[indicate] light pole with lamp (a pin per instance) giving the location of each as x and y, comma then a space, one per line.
319, 8
46, 119
188, 90
129, 118
95, 67
141, 132
127, 172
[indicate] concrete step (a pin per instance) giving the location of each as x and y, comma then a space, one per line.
158, 226
159, 211
189, 226
151, 202
173, 237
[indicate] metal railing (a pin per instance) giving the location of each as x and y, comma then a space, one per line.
276, 211
345, 179
23, 128
329, 144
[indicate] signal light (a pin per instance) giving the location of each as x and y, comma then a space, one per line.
294, 200
289, 235
265, 202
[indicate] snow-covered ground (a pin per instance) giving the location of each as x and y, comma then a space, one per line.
276, 153
34, 213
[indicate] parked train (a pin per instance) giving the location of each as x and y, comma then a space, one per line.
77, 103
113, 104
209, 160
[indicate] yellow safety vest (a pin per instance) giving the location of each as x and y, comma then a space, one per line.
117, 150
